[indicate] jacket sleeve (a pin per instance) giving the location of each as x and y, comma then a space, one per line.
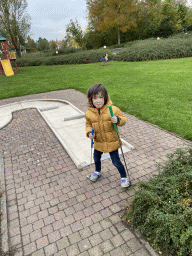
123, 119
88, 125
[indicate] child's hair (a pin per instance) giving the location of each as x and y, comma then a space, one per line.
94, 90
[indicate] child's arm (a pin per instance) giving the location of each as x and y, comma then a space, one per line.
122, 119
89, 128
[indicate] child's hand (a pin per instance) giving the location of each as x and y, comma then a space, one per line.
91, 136
114, 119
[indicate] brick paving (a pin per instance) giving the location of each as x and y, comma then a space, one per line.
52, 208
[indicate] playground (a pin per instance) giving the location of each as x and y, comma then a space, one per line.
6, 57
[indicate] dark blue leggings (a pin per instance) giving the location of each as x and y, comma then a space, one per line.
115, 160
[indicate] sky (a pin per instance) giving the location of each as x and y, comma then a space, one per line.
50, 17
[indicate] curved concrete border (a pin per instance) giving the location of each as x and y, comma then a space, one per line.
17, 106
28, 101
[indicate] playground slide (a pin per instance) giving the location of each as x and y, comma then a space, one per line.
7, 67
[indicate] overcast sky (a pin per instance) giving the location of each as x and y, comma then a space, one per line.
50, 17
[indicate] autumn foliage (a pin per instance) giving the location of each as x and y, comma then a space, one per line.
108, 14
136, 19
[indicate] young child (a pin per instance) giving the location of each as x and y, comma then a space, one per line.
106, 57
105, 138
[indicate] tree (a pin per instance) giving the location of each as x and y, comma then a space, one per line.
96, 39
43, 44
53, 45
171, 22
119, 14
14, 22
185, 13
188, 19
75, 32
161, 18
148, 20
30, 45
63, 44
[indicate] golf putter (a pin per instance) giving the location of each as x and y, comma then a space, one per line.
92, 132
116, 130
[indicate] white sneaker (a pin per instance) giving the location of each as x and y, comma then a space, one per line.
125, 183
95, 176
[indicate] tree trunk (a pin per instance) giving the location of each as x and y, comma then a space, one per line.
118, 35
18, 52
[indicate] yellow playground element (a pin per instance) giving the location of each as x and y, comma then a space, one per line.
7, 67
12, 55
5, 64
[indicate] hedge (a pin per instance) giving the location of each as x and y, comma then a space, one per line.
153, 49
162, 207
83, 57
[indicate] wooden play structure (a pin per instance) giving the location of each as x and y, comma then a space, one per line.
5, 58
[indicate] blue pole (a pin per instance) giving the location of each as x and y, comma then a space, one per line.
92, 132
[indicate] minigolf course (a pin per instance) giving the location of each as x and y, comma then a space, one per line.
51, 208
68, 124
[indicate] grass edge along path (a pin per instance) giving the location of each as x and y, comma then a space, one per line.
155, 91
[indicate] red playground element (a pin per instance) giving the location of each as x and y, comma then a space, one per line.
8, 55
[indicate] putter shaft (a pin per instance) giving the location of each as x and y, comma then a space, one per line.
123, 156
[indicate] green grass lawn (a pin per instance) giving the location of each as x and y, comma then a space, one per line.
157, 91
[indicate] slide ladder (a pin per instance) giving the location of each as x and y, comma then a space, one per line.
7, 67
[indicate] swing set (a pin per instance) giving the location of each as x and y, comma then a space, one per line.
5, 58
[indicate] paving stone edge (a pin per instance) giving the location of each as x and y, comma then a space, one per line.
139, 236
4, 227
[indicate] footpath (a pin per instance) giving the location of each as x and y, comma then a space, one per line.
50, 207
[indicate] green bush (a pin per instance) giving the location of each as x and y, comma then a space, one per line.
36, 54
116, 46
153, 49
43, 54
67, 50
83, 57
162, 207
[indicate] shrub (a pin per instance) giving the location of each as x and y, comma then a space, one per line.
67, 50
83, 57
162, 207
153, 49
116, 46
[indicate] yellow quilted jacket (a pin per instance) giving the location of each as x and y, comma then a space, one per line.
106, 139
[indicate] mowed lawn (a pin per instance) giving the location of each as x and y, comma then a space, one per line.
156, 91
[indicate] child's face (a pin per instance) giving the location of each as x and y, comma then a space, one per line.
98, 100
